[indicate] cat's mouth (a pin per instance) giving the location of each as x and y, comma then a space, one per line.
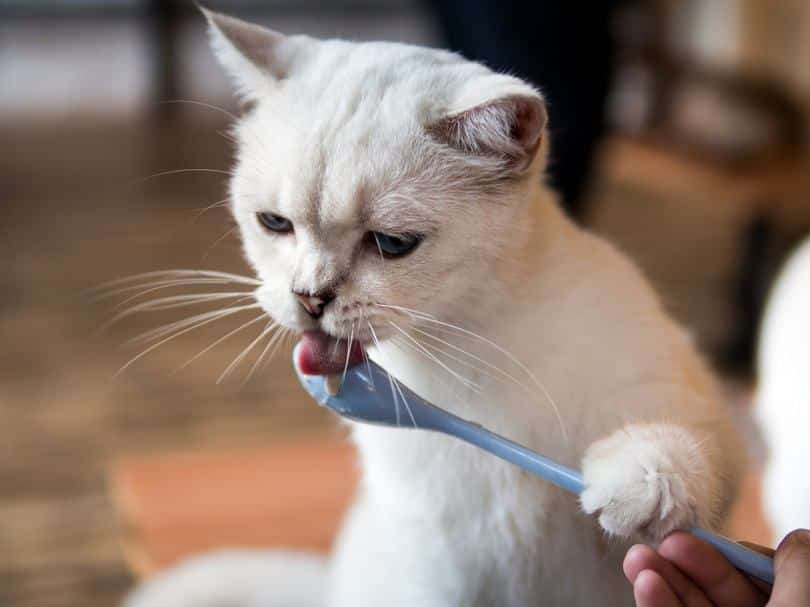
323, 354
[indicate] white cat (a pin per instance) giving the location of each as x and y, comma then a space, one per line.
388, 192
783, 396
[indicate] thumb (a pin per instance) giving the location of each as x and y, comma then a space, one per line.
792, 570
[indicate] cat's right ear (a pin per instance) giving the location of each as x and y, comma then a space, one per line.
253, 56
508, 124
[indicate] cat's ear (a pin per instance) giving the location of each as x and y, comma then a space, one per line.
509, 127
253, 56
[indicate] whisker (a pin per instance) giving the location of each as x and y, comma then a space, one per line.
179, 171
348, 353
219, 314
244, 353
270, 327
500, 349
156, 285
174, 301
467, 363
402, 395
407, 406
201, 104
408, 311
368, 369
218, 203
180, 324
220, 239
230, 115
390, 379
289, 337
365, 356
401, 343
488, 364
227, 137
287, 334
273, 341
176, 274
219, 341
472, 385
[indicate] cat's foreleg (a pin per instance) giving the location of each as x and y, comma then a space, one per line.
650, 479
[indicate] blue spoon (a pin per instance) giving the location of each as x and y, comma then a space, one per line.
358, 400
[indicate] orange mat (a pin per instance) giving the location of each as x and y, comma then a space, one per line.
177, 504
289, 495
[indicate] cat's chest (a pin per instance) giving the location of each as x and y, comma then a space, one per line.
428, 470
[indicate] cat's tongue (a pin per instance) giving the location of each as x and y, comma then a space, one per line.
321, 354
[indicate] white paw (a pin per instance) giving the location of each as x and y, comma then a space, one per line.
647, 480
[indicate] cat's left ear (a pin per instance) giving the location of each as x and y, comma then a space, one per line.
255, 57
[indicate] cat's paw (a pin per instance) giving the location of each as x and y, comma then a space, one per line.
648, 480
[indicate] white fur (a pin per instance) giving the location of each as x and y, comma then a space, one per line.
340, 146
783, 397
237, 578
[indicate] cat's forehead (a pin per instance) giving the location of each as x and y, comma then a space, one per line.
336, 168
327, 178
335, 141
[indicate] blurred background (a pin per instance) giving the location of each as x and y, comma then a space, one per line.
679, 131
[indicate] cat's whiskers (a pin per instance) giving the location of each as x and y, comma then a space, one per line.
240, 357
278, 340
210, 106
348, 352
181, 171
219, 341
361, 319
230, 231
401, 344
157, 287
467, 363
466, 382
149, 287
175, 301
175, 274
500, 374
163, 330
273, 343
391, 381
222, 110
214, 205
203, 319
416, 314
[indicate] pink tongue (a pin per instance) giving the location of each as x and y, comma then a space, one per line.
320, 354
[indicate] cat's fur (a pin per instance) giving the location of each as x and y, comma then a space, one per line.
344, 138
783, 396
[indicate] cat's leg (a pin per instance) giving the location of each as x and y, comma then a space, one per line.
237, 579
650, 479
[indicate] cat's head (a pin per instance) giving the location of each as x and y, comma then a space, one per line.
374, 174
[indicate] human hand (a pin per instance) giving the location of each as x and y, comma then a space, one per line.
687, 572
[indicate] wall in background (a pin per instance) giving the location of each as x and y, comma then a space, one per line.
80, 64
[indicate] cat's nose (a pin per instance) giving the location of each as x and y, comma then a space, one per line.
314, 303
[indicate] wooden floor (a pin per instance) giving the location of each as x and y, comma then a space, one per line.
73, 216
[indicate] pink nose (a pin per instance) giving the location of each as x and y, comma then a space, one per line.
314, 303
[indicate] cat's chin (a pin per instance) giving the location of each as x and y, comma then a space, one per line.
322, 354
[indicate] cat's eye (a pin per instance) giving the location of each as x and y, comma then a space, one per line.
399, 245
275, 223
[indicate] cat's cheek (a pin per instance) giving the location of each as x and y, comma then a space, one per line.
275, 298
